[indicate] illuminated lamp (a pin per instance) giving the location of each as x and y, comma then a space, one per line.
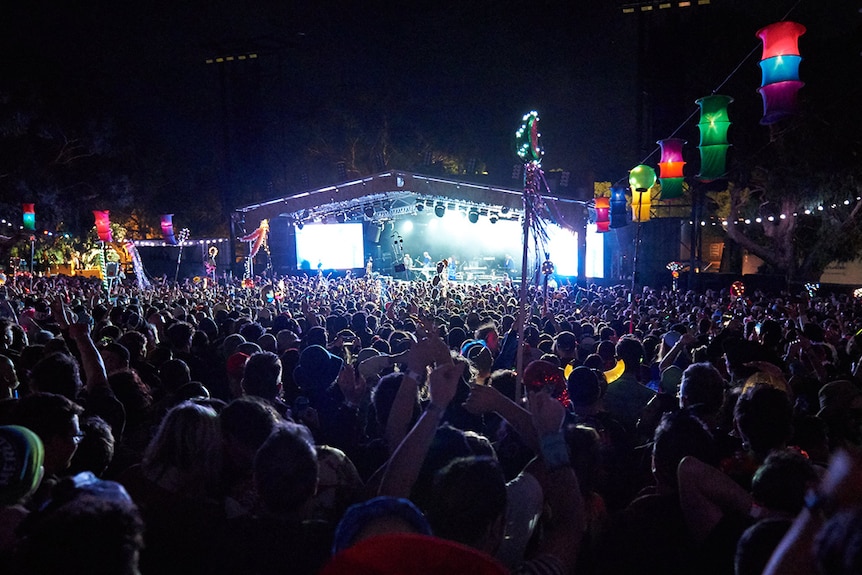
439, 210
641, 179
779, 65
103, 225
713, 125
619, 215
29, 217
671, 167
603, 208
168, 229
473, 216
781, 39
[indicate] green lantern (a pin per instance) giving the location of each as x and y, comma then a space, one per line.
713, 125
642, 178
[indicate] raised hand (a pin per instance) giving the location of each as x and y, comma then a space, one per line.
443, 383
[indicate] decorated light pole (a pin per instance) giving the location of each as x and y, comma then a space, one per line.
30, 226
530, 152
103, 229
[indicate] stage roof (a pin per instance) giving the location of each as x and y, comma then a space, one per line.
396, 194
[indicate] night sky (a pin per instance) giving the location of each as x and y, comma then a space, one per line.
453, 77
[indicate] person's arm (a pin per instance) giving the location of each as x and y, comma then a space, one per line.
91, 360
706, 494
681, 345
484, 398
565, 524
840, 488
403, 467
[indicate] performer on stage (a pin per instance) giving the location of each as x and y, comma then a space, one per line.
408, 263
453, 268
509, 265
368, 266
426, 260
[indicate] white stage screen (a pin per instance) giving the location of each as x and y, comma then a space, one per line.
330, 246
563, 249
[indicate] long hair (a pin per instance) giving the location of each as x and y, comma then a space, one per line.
184, 455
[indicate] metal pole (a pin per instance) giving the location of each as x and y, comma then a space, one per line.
32, 257
635, 272
529, 181
179, 259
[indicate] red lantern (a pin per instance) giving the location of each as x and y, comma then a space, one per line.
103, 225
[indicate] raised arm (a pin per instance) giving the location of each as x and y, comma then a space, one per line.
403, 467
566, 522
484, 398
706, 494
91, 360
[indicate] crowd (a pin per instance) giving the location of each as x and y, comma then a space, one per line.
318, 424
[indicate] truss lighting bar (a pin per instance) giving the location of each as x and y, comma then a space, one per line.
660, 5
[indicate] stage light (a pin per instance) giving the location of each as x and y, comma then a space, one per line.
439, 210
473, 216
493, 218
420, 205
504, 210
406, 227
339, 218
299, 225
369, 211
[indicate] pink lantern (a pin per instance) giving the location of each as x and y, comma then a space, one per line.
103, 225
603, 209
671, 167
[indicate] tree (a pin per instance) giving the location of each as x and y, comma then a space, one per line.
797, 223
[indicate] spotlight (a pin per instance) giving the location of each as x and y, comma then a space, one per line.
369, 211
473, 216
420, 205
493, 218
339, 218
299, 225
439, 210
504, 210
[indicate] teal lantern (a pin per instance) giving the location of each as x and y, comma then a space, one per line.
29, 217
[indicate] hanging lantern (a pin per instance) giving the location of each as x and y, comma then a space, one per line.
603, 208
671, 168
103, 225
779, 65
29, 217
713, 125
619, 215
168, 229
641, 179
